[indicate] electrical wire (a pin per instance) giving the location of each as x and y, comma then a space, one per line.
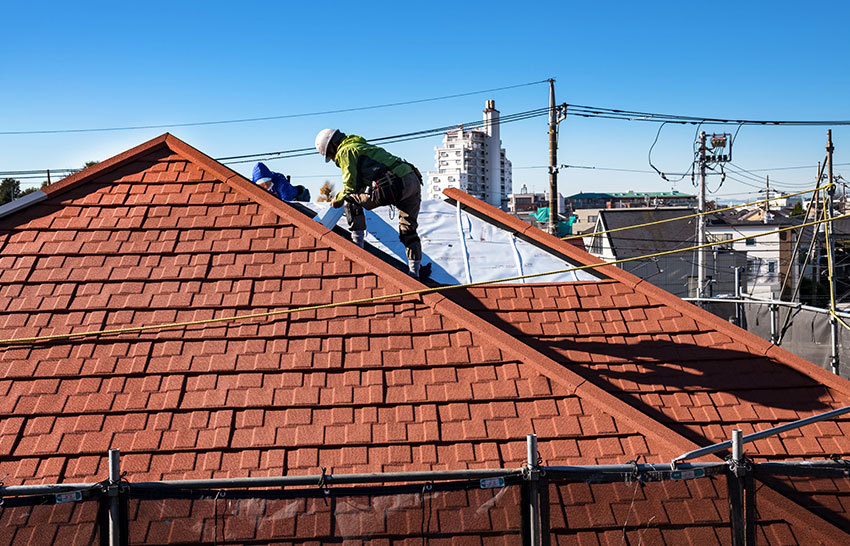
649, 153
403, 137
300, 152
269, 118
420, 292
632, 115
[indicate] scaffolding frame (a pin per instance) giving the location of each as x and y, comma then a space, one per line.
114, 494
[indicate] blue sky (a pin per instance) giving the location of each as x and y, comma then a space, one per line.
107, 64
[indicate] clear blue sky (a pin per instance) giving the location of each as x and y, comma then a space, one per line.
105, 64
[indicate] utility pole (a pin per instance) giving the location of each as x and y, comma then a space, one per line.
816, 235
767, 200
830, 249
701, 221
553, 161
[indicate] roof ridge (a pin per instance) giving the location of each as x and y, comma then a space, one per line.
764, 347
105, 166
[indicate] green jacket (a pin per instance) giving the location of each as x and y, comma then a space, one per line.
362, 163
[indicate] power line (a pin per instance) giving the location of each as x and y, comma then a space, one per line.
632, 115
792, 168
403, 137
300, 152
269, 118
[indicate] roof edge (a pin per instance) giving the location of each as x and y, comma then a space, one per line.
105, 166
22, 202
648, 289
809, 522
523, 230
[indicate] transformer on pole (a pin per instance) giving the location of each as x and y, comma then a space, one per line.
715, 151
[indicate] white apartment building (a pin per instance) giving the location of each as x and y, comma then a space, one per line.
473, 161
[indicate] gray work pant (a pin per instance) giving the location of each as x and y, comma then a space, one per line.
408, 213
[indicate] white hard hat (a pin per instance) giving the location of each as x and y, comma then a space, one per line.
323, 139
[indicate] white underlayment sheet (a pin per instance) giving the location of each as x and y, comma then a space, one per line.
461, 247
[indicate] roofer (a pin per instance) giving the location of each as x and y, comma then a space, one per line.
279, 184
372, 177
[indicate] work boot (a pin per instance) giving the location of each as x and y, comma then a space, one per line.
358, 238
413, 268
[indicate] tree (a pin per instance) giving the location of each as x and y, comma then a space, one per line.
34, 189
326, 193
10, 189
797, 211
90, 163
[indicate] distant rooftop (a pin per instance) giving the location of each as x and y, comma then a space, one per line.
629, 194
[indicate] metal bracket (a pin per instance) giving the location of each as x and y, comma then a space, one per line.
560, 113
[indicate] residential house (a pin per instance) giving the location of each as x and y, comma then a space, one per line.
604, 370
613, 239
770, 256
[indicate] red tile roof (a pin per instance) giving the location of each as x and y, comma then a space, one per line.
602, 372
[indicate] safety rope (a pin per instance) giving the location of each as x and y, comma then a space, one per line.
281, 312
695, 215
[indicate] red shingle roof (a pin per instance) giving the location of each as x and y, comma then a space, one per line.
600, 371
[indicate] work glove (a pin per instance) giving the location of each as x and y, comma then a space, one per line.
303, 194
337, 203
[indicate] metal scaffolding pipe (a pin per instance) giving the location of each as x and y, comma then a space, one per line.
114, 507
714, 448
533, 492
330, 479
760, 301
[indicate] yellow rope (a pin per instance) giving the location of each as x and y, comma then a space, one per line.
696, 215
389, 296
839, 319
829, 259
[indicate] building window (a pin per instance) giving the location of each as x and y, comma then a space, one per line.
720, 238
752, 266
751, 241
771, 266
591, 218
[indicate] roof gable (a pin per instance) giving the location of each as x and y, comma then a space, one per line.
156, 237
165, 234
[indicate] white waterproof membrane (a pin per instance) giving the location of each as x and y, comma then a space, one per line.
461, 247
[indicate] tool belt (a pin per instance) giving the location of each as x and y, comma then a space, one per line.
387, 190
